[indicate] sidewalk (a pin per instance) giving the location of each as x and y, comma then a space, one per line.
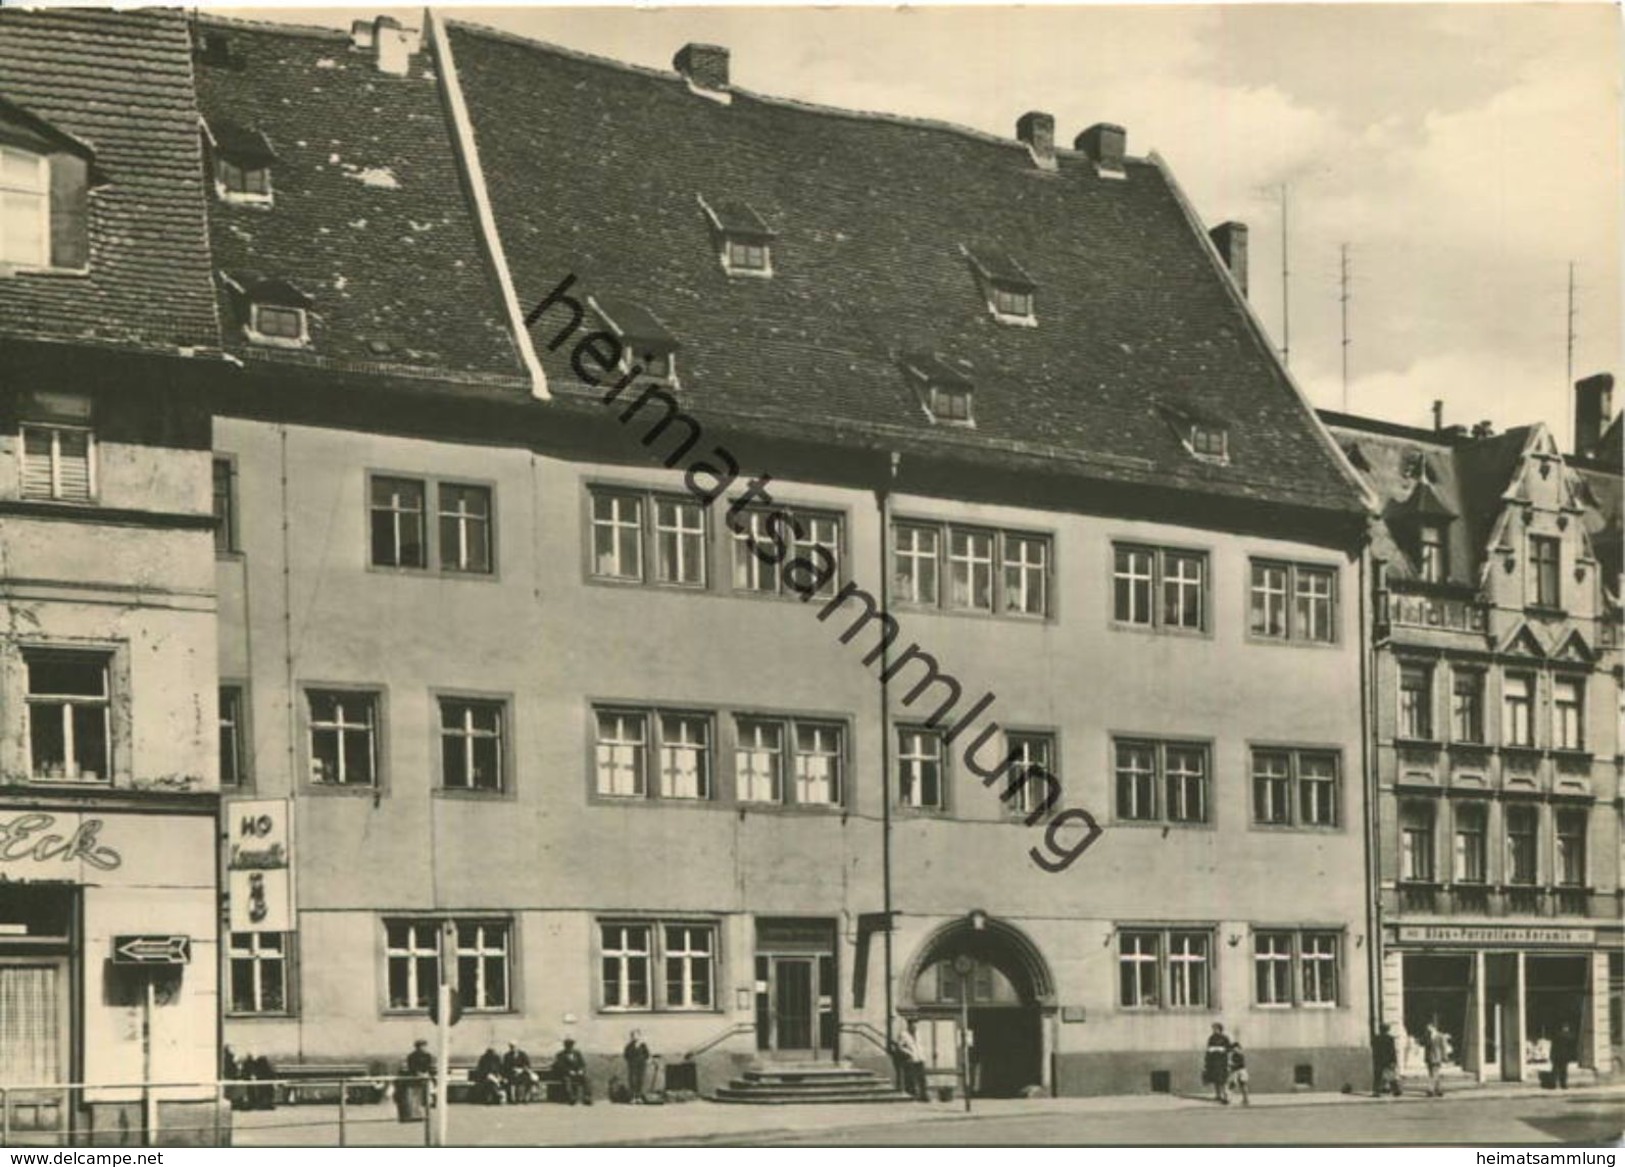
711, 1122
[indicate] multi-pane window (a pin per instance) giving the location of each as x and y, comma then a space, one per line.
1523, 831
25, 208
1034, 752
1568, 716
1012, 302
1432, 557
242, 182
225, 508
482, 949
343, 738
1295, 788
58, 463
680, 538
259, 972
483, 974
967, 569
465, 528
1416, 702
679, 742
920, 769
949, 403
1208, 441
1571, 848
765, 747
1296, 968
1162, 781
1544, 557
1472, 842
747, 255
759, 529
1416, 841
233, 761
1518, 709
617, 536
1467, 706
69, 707
1160, 969
1159, 587
399, 532
471, 744
690, 960
277, 322
1293, 601
401, 529
1138, 958
685, 952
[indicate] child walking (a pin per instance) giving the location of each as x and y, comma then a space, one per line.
1238, 1071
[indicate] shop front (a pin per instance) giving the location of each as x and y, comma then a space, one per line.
108, 974
1503, 995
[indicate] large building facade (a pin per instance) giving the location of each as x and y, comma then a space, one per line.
1496, 699
108, 341
555, 671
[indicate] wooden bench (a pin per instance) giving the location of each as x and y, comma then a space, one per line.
462, 1088
307, 1085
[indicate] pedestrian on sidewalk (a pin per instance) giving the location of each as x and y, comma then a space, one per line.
910, 1062
1384, 1063
412, 1086
1216, 1064
1238, 1072
637, 1065
1564, 1051
1436, 1047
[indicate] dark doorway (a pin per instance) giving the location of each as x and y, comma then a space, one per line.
796, 989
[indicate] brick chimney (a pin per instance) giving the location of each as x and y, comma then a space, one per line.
1593, 403
393, 45
1037, 131
705, 66
1231, 241
1104, 143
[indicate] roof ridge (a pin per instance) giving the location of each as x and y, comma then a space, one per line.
794, 103
207, 16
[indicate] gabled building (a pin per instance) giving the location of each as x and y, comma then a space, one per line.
108, 347
1495, 680
750, 572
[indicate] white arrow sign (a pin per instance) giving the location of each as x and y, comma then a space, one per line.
152, 949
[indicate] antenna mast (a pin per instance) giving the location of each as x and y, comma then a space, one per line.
1343, 301
1568, 380
1286, 314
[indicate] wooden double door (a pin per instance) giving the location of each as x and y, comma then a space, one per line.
796, 990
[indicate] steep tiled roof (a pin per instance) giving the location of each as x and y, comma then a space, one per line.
369, 213
594, 170
120, 82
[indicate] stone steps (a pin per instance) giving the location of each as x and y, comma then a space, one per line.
779, 1084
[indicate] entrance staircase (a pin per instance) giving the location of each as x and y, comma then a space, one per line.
782, 1083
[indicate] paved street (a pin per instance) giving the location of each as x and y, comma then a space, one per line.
1493, 1117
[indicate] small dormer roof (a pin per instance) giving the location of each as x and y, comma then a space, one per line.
636, 324
1425, 504
998, 266
241, 144
934, 370
739, 220
271, 290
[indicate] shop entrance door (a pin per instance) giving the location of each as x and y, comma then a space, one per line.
34, 1046
795, 989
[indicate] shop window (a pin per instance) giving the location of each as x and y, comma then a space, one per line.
58, 463
684, 951
472, 745
259, 973
69, 709
920, 769
233, 758
1295, 788
1155, 587
1162, 781
483, 954
1004, 572
343, 738
1293, 601
1297, 968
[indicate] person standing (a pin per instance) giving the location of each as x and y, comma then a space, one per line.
1216, 1064
911, 1062
412, 1087
1238, 1072
1436, 1047
1564, 1051
637, 1065
1384, 1063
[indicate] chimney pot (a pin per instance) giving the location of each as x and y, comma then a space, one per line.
361, 34
1438, 415
393, 46
1105, 144
1231, 241
1593, 403
705, 66
1037, 130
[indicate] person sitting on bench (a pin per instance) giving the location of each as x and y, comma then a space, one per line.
571, 1068
487, 1078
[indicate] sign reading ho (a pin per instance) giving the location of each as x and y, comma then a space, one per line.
258, 856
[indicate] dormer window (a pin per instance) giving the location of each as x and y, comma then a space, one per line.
274, 312
646, 343
945, 389
1009, 291
242, 163
743, 238
1205, 436
1208, 441
1432, 560
25, 208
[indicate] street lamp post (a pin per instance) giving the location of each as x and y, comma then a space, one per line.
964, 966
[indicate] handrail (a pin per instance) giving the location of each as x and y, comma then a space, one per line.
865, 1030
733, 1030
210, 1083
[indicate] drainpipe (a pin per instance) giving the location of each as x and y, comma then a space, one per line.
1373, 921
883, 506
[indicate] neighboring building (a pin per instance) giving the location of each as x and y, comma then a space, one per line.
1495, 679
108, 803
512, 673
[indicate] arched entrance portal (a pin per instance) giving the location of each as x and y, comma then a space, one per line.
1010, 996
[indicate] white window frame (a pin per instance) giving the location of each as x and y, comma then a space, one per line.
1022, 307
1162, 782
58, 492
833, 755
659, 946
37, 191
698, 965
345, 702
1537, 578
627, 754
736, 245
915, 763
1133, 953
413, 951
483, 941
1309, 616
466, 735
1418, 831
759, 755
1527, 841
227, 193
1470, 843
748, 575
1010, 570
1168, 582
1568, 715
1416, 715
258, 335
1518, 710
255, 950
1302, 792
1273, 957
470, 526
399, 514
63, 705
1032, 749
690, 541
1571, 849
626, 954
1469, 684
625, 513
1431, 555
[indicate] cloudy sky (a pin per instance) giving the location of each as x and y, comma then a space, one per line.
1465, 153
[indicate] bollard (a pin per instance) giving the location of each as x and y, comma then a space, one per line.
344, 1093
428, 1115
5, 1118
219, 1102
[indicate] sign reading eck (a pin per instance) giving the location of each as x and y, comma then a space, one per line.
152, 950
38, 838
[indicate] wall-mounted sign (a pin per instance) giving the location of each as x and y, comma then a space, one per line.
152, 949
258, 856
36, 842
1508, 934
